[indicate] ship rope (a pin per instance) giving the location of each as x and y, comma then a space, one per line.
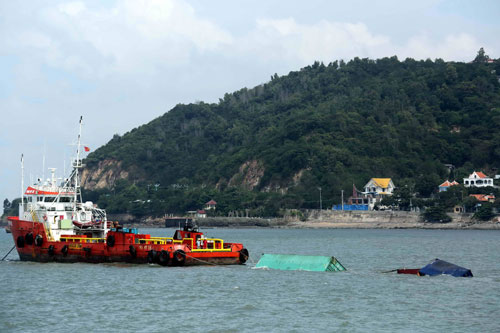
204, 261
8, 252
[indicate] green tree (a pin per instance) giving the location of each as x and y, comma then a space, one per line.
481, 56
436, 214
6, 205
484, 212
452, 197
470, 203
427, 184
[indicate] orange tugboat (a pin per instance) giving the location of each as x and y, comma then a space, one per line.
54, 224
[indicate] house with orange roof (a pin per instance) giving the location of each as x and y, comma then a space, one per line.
478, 179
446, 185
484, 197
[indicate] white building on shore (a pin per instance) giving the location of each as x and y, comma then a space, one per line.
478, 179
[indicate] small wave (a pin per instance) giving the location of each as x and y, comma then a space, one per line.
248, 307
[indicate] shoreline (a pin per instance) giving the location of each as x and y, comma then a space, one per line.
315, 219
326, 219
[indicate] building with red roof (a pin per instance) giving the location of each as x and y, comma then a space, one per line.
446, 185
484, 197
211, 205
478, 179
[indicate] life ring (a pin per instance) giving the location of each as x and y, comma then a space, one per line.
64, 250
20, 241
38, 240
29, 238
133, 251
179, 258
243, 256
151, 256
163, 258
110, 240
51, 250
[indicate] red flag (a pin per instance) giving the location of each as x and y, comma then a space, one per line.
86, 148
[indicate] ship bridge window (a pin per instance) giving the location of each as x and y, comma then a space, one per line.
39, 198
50, 199
66, 199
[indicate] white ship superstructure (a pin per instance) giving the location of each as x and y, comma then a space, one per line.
60, 208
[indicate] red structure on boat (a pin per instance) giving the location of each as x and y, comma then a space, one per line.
54, 224
187, 247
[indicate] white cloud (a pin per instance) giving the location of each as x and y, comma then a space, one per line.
287, 40
145, 37
130, 37
457, 47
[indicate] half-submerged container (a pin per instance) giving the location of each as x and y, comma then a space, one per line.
300, 262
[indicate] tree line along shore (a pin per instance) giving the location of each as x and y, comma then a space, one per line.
326, 219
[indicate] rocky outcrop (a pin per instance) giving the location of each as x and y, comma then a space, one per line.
249, 174
103, 175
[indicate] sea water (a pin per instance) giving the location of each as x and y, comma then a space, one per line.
52, 297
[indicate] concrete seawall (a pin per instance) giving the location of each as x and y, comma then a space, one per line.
329, 219
387, 220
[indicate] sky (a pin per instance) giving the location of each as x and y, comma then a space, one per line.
121, 64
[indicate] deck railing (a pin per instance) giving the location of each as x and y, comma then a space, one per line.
212, 244
82, 240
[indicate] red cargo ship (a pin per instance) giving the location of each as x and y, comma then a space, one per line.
54, 224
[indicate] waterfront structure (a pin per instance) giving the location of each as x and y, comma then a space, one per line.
478, 179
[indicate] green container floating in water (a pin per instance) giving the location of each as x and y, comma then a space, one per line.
294, 262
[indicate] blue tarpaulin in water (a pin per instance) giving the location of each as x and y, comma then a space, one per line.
438, 267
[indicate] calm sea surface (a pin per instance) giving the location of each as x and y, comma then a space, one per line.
148, 298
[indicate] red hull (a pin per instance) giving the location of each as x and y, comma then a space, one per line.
409, 271
33, 245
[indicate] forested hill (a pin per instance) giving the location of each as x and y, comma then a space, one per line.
325, 126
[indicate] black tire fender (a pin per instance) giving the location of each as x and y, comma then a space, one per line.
132, 250
51, 250
64, 250
20, 241
179, 258
29, 238
243, 255
110, 241
151, 256
163, 258
38, 240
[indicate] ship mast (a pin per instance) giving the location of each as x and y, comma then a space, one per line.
77, 165
22, 183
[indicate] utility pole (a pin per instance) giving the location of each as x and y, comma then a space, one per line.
320, 202
342, 191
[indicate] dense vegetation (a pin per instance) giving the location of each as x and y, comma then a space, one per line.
334, 125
